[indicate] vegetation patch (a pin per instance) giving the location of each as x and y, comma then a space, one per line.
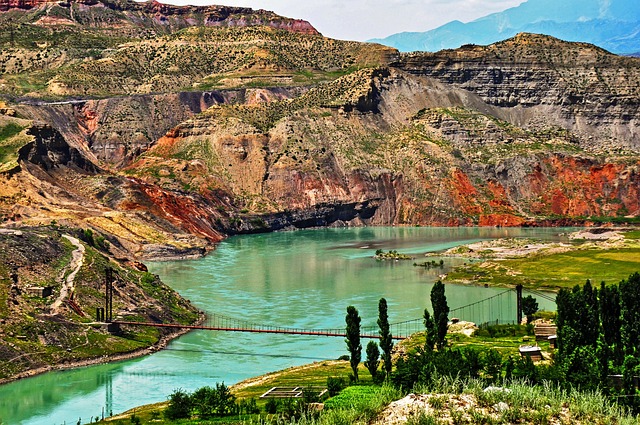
32, 337
548, 267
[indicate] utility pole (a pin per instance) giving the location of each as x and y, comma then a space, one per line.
519, 303
108, 294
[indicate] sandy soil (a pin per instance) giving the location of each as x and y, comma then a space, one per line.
518, 248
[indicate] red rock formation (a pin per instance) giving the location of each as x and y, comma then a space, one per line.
195, 216
577, 187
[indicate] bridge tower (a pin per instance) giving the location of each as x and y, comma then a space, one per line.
519, 303
108, 296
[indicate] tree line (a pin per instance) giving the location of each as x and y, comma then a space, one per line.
598, 345
436, 331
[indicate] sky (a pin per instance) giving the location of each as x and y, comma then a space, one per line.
362, 20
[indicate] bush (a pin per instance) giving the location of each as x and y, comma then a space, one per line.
179, 405
271, 406
335, 385
498, 331
205, 402
248, 407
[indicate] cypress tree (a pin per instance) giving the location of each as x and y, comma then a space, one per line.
431, 331
440, 312
386, 340
353, 339
372, 362
611, 323
630, 309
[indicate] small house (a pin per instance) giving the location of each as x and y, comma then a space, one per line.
40, 291
544, 330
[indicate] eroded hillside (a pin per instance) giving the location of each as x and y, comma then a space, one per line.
283, 128
538, 80
52, 279
122, 47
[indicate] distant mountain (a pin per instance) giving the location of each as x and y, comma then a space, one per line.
611, 24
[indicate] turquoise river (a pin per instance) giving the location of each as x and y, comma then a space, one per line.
303, 279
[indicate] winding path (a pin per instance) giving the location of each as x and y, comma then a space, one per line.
77, 260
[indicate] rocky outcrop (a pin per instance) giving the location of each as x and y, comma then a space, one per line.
403, 149
541, 81
49, 149
117, 130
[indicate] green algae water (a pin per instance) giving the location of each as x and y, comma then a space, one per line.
302, 279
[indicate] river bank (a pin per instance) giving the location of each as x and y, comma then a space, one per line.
107, 358
301, 279
597, 254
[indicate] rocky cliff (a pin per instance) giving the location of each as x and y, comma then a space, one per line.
531, 131
116, 130
540, 81
405, 149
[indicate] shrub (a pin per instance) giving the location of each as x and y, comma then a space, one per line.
271, 406
179, 405
335, 385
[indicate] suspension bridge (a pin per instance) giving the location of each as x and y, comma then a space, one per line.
488, 308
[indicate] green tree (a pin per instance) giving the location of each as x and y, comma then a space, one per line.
578, 320
386, 339
208, 402
225, 401
353, 339
529, 307
591, 315
583, 368
493, 365
629, 371
630, 310
611, 324
373, 359
204, 402
180, 405
431, 333
440, 312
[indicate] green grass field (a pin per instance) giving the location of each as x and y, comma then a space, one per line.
554, 271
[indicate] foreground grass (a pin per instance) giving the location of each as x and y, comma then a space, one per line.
441, 401
452, 400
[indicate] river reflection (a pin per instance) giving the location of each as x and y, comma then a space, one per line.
299, 279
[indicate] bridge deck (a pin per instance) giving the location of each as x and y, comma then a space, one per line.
286, 331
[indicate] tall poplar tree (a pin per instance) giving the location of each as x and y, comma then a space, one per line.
386, 339
372, 362
440, 312
630, 309
353, 339
431, 334
611, 323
